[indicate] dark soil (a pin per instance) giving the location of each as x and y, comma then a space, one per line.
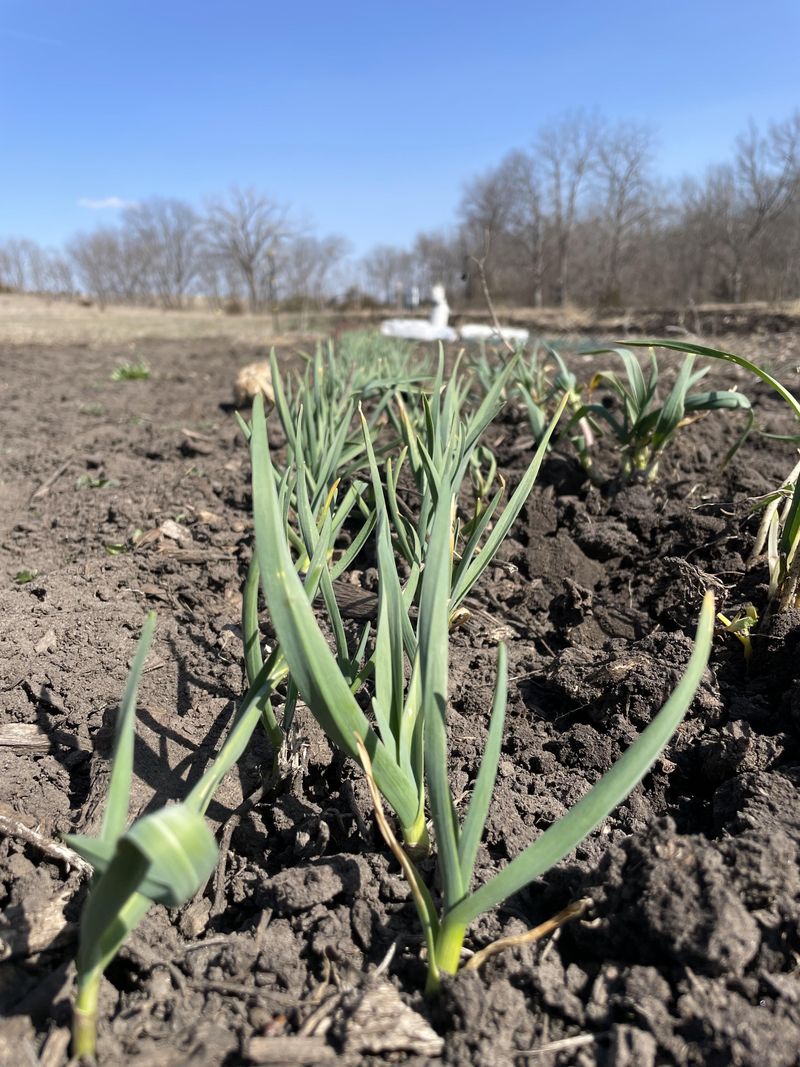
689, 954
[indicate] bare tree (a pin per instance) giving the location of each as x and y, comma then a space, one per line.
387, 270
5, 269
16, 264
307, 265
567, 151
484, 211
578, 215
526, 219
762, 183
438, 259
697, 239
22, 265
111, 265
218, 280
94, 258
167, 232
622, 168
247, 230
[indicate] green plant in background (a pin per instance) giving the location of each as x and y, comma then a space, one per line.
540, 389
483, 475
317, 413
25, 576
86, 481
317, 408
780, 528
130, 372
642, 426
406, 750
443, 438
541, 378
542, 392
371, 361
778, 533
485, 368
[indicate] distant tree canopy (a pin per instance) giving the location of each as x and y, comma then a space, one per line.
578, 216
582, 217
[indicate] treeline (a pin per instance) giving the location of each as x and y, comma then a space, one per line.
580, 216
243, 250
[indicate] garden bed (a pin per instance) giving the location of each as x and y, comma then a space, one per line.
689, 952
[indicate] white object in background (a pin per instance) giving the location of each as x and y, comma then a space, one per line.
440, 316
420, 330
478, 332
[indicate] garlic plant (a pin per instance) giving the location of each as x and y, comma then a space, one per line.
642, 426
779, 531
405, 740
163, 857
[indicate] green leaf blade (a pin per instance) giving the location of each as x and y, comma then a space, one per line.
561, 838
312, 665
433, 644
474, 823
119, 787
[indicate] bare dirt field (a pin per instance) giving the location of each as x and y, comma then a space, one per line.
689, 955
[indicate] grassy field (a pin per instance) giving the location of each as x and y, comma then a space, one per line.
35, 320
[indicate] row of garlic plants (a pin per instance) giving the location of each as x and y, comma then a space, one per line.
375, 456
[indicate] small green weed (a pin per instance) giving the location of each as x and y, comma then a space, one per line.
117, 548
86, 481
130, 372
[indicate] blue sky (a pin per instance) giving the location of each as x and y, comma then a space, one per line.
366, 117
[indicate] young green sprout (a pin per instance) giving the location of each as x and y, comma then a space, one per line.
542, 393
780, 529
778, 535
317, 408
444, 439
446, 446
163, 857
130, 372
642, 427
740, 626
405, 750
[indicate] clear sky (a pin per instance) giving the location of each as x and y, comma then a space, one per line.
366, 117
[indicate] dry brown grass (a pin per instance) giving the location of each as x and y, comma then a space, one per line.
35, 320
